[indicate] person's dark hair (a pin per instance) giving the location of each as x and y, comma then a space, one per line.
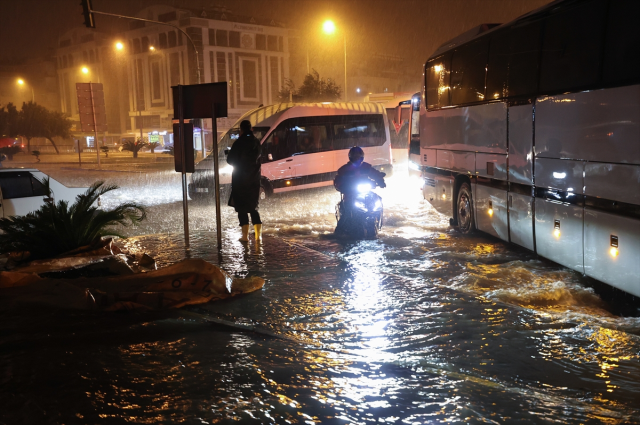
245, 126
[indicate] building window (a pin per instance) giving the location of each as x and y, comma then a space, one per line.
70, 60
212, 37
222, 67
92, 57
85, 58
136, 45
174, 68
261, 42
221, 38
234, 39
139, 85
280, 44
156, 86
145, 44
162, 40
275, 78
272, 43
249, 71
172, 39
64, 61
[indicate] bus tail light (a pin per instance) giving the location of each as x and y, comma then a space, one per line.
614, 246
556, 228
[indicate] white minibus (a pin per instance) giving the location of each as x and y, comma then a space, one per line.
303, 145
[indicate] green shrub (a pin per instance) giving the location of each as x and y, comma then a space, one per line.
59, 227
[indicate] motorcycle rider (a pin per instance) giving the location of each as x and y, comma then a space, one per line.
356, 170
349, 176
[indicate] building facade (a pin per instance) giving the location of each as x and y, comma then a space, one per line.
139, 66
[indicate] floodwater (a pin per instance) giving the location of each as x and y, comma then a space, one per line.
420, 326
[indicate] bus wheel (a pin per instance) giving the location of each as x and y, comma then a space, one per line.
464, 207
263, 193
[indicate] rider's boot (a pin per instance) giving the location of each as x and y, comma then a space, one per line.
258, 230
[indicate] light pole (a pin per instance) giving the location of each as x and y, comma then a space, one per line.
329, 28
21, 84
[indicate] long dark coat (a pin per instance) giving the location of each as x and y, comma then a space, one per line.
245, 179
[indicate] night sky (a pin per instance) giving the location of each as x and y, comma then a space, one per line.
411, 29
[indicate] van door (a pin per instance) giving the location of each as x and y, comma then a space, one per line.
313, 159
276, 158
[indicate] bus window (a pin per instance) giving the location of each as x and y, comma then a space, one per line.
622, 61
571, 47
468, 69
436, 76
513, 62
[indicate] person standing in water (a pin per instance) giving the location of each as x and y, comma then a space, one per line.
244, 157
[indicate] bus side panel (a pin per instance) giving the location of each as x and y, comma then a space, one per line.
579, 125
521, 144
491, 211
438, 189
429, 157
615, 182
462, 162
492, 166
561, 174
476, 128
620, 269
559, 233
521, 220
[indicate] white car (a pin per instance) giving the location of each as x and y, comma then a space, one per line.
22, 191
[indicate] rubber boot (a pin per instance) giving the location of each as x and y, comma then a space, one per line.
258, 230
245, 233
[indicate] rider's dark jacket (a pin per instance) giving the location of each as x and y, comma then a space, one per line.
350, 174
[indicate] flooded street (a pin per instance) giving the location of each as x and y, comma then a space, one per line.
423, 325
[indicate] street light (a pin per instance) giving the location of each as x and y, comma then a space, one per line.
329, 28
119, 46
21, 83
85, 70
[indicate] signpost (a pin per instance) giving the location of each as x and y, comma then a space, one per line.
93, 116
198, 101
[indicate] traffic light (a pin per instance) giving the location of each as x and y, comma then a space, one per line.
88, 16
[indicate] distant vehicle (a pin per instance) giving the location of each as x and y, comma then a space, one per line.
529, 131
303, 145
22, 191
6, 142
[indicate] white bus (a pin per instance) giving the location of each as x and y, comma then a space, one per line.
303, 145
530, 131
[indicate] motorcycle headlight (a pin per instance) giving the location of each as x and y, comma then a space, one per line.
377, 206
360, 205
364, 188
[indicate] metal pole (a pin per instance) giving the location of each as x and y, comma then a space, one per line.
345, 67
33, 96
185, 209
140, 122
95, 124
216, 173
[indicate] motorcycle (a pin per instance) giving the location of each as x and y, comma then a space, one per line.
359, 212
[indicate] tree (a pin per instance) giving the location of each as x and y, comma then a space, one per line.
135, 147
9, 118
313, 89
153, 146
57, 228
35, 120
56, 125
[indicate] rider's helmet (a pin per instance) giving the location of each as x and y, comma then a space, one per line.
356, 155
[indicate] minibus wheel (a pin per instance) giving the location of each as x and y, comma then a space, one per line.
263, 193
464, 209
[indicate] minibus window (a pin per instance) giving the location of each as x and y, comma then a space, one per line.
276, 145
311, 138
363, 133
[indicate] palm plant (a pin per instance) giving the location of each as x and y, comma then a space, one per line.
134, 147
153, 146
57, 228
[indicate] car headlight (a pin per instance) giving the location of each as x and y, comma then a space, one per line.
364, 188
377, 206
360, 205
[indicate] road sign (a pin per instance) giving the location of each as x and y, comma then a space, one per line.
91, 108
178, 150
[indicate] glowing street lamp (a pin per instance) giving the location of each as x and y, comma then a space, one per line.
85, 70
21, 83
152, 48
119, 46
329, 28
